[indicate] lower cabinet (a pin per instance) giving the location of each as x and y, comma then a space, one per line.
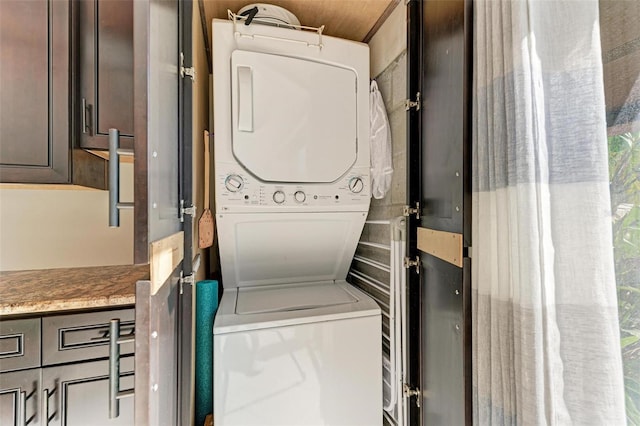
78, 394
69, 384
20, 393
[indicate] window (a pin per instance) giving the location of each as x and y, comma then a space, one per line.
620, 35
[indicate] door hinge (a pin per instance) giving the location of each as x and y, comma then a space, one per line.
408, 392
186, 279
191, 210
408, 104
411, 263
408, 210
191, 278
186, 71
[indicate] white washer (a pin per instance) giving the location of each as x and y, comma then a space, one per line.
294, 344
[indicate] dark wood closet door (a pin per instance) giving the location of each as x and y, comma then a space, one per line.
446, 213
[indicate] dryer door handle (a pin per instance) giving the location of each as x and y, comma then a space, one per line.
245, 99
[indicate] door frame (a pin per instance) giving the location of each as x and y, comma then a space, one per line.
186, 298
414, 195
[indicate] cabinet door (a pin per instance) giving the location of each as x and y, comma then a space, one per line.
105, 46
78, 394
445, 184
34, 82
19, 398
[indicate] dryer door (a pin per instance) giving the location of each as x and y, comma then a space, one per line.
293, 120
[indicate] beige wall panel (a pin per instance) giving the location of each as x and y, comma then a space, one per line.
42, 228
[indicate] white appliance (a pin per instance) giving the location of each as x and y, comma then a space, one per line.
294, 344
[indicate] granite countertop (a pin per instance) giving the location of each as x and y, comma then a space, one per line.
53, 290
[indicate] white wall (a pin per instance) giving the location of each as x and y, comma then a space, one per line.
64, 228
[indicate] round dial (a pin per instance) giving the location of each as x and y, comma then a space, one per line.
278, 197
300, 196
356, 185
233, 183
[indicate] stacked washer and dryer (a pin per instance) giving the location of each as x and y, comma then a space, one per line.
294, 343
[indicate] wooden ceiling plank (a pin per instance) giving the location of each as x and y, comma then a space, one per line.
351, 19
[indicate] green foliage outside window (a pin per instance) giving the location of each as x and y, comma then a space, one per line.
624, 169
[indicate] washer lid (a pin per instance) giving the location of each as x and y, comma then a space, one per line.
293, 120
265, 249
283, 298
334, 306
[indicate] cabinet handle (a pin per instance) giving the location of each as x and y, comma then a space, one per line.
85, 122
114, 178
45, 406
115, 394
22, 406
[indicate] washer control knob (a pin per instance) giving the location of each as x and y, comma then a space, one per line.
278, 197
233, 183
356, 185
300, 196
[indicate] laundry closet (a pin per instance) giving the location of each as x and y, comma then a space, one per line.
292, 185
275, 150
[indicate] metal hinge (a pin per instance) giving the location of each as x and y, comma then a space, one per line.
191, 278
191, 210
184, 71
408, 392
411, 263
408, 210
188, 279
408, 104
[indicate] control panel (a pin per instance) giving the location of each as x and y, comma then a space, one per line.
235, 188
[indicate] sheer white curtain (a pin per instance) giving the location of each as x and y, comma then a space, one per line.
546, 346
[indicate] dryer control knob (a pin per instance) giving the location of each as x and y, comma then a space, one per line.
300, 196
278, 197
356, 185
233, 183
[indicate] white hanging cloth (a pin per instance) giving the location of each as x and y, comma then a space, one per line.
380, 148
546, 343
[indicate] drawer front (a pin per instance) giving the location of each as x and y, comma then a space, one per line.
80, 337
19, 344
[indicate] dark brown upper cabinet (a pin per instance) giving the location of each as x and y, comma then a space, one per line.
105, 61
35, 81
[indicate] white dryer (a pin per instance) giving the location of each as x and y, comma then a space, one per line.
294, 344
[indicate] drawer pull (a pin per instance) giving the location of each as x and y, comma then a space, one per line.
22, 406
115, 394
45, 406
